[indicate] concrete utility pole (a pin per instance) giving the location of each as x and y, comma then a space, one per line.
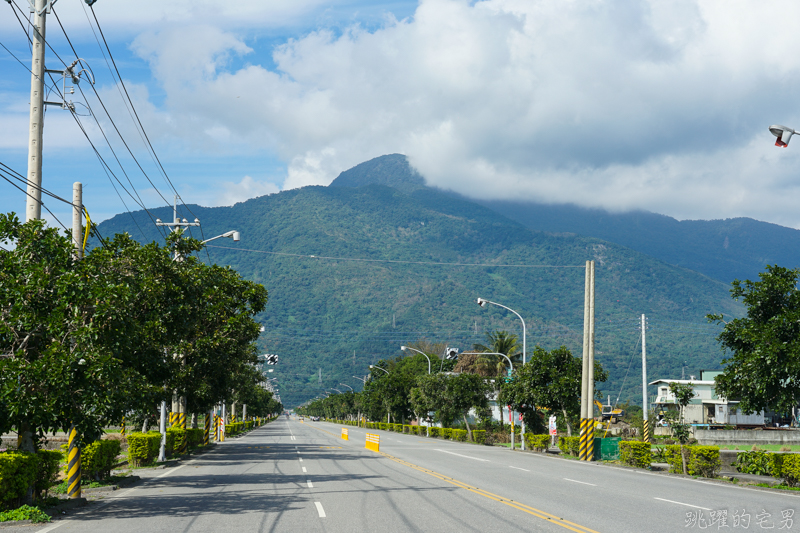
646, 424
586, 450
33, 208
77, 211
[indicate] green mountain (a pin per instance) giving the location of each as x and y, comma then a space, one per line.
377, 260
734, 248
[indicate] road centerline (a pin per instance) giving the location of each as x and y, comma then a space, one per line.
581, 482
465, 456
685, 504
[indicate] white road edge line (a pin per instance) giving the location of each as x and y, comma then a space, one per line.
311, 485
168, 472
465, 456
581, 482
51, 527
320, 510
681, 503
304, 470
300, 458
518, 468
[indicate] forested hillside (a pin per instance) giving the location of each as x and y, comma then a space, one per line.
354, 272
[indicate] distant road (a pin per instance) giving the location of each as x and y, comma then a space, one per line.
301, 476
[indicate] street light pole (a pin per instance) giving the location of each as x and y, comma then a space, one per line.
379, 368
482, 302
404, 348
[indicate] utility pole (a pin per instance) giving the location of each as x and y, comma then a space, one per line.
646, 424
73, 446
586, 450
77, 211
178, 403
40, 10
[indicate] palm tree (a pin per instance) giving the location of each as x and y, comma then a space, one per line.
491, 365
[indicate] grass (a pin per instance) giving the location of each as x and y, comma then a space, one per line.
26, 512
764, 447
61, 488
781, 487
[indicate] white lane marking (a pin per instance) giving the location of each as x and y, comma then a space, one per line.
465, 456
168, 472
298, 452
320, 510
304, 469
311, 485
300, 458
52, 527
686, 504
581, 482
293, 437
518, 468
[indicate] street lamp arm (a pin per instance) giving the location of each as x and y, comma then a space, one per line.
379, 368
404, 348
232, 234
363, 380
510, 364
348, 386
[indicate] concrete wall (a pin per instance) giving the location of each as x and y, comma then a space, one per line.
721, 437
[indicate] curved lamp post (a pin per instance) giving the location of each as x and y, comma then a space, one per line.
379, 368
783, 134
363, 380
348, 386
404, 348
482, 302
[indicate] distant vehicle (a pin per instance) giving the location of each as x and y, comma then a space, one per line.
607, 412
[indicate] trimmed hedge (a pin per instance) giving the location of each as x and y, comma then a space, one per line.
447, 433
459, 434
417, 430
98, 458
195, 436
479, 436
434, 431
570, 445
17, 474
143, 447
700, 460
406, 429
537, 443
635, 453
790, 469
47, 469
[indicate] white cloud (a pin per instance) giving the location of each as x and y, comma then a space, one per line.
239, 192
609, 103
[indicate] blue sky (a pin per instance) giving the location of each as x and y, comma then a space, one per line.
619, 104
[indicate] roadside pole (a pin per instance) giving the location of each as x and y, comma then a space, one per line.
585, 370
590, 379
162, 449
646, 421
73, 446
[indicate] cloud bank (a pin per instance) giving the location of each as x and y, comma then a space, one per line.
621, 104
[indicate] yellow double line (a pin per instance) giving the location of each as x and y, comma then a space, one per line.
553, 519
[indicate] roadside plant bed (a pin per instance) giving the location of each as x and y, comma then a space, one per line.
537, 443
700, 460
635, 453
86, 483
26, 512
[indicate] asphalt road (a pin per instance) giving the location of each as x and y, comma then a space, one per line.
301, 476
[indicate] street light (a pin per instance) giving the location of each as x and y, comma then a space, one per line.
363, 380
228, 234
783, 134
379, 368
482, 302
404, 348
348, 386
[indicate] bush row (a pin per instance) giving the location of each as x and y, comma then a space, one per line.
784, 466
461, 435
21, 471
700, 460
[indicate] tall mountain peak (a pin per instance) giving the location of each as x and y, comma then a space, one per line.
391, 170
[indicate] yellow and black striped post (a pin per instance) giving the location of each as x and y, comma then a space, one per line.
207, 429
122, 427
583, 438
592, 425
646, 431
182, 424
73, 465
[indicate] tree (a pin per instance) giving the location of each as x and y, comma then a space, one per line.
451, 396
550, 380
763, 370
680, 429
486, 364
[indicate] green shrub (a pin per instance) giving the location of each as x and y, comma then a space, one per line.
447, 433
569, 445
415, 430
479, 436
459, 434
178, 438
47, 468
635, 453
143, 447
398, 428
195, 436
537, 442
434, 431
755, 462
776, 464
98, 458
17, 475
406, 428
26, 512
790, 469
700, 460
383, 425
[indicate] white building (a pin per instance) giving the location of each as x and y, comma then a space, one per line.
706, 408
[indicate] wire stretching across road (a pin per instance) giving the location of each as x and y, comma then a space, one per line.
396, 261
